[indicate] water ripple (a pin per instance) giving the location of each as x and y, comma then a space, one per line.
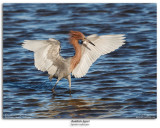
121, 84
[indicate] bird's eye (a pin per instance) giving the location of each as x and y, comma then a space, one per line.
80, 42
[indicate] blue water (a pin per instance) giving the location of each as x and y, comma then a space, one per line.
121, 84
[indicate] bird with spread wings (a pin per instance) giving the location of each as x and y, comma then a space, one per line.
47, 54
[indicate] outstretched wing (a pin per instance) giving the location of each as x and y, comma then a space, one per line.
46, 54
103, 45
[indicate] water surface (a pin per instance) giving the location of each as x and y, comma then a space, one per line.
121, 84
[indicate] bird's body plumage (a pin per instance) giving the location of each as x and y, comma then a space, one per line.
47, 54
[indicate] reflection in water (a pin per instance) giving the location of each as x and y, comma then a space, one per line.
79, 108
121, 84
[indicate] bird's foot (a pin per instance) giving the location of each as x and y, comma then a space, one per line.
70, 92
53, 91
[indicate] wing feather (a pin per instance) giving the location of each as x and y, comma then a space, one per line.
103, 45
46, 53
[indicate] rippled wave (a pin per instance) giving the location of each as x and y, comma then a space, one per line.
121, 84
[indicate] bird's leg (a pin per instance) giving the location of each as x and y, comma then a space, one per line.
69, 81
55, 85
50, 77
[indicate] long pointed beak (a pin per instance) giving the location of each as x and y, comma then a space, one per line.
89, 41
86, 46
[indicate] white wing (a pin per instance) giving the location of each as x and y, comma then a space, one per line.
103, 45
46, 53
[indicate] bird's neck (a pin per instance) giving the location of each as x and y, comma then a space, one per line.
77, 57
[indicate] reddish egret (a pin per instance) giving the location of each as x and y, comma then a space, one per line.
47, 54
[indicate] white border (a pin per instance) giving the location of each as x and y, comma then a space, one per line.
113, 123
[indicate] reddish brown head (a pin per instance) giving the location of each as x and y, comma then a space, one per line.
77, 35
